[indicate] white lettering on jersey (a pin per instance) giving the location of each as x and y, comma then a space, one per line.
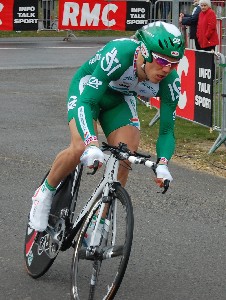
174, 90
82, 121
95, 58
83, 83
108, 61
94, 82
72, 102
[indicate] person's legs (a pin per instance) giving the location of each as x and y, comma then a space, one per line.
65, 162
129, 135
120, 123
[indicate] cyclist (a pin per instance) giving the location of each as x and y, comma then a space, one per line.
105, 89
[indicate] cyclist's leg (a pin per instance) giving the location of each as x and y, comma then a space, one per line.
67, 160
129, 135
120, 123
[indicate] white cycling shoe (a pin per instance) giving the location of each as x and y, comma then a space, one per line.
39, 214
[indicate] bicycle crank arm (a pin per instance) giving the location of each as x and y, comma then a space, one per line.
93, 254
114, 251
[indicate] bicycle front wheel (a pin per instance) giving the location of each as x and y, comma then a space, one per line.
97, 272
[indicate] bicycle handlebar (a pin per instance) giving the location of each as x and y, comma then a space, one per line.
121, 152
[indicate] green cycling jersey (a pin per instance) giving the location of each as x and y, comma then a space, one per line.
106, 87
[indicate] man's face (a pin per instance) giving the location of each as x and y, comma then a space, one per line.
160, 67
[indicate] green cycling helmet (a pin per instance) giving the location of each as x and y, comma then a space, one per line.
160, 37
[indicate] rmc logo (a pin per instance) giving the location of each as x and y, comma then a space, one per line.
72, 12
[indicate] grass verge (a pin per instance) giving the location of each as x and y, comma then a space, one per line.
193, 143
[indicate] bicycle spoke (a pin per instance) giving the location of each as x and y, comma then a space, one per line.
98, 271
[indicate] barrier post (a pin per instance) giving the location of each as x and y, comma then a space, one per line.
175, 12
222, 136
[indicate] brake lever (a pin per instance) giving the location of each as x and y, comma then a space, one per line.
95, 167
166, 185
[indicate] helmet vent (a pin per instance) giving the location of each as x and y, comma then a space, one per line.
166, 43
161, 45
171, 42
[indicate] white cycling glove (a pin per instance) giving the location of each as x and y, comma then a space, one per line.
162, 171
91, 154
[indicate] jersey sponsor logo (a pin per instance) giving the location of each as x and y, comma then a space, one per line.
72, 102
125, 85
110, 62
95, 58
175, 53
90, 139
83, 124
135, 122
176, 41
130, 78
94, 82
83, 83
175, 89
144, 50
153, 88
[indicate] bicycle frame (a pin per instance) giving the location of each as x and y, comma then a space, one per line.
106, 185
103, 188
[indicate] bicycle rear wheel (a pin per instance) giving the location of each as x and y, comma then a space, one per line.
42, 248
98, 272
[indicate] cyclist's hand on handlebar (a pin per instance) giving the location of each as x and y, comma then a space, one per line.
163, 177
90, 155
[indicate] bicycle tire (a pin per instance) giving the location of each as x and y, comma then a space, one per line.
82, 264
40, 249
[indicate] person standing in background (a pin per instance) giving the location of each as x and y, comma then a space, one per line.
165, 10
207, 27
192, 21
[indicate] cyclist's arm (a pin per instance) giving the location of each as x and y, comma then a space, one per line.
169, 90
110, 67
88, 106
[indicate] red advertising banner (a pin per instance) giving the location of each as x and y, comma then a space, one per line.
18, 15
186, 72
91, 15
6, 14
196, 74
102, 14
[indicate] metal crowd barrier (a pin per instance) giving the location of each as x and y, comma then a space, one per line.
48, 16
219, 102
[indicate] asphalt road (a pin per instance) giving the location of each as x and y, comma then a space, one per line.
179, 247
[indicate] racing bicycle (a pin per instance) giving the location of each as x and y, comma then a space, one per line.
97, 268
